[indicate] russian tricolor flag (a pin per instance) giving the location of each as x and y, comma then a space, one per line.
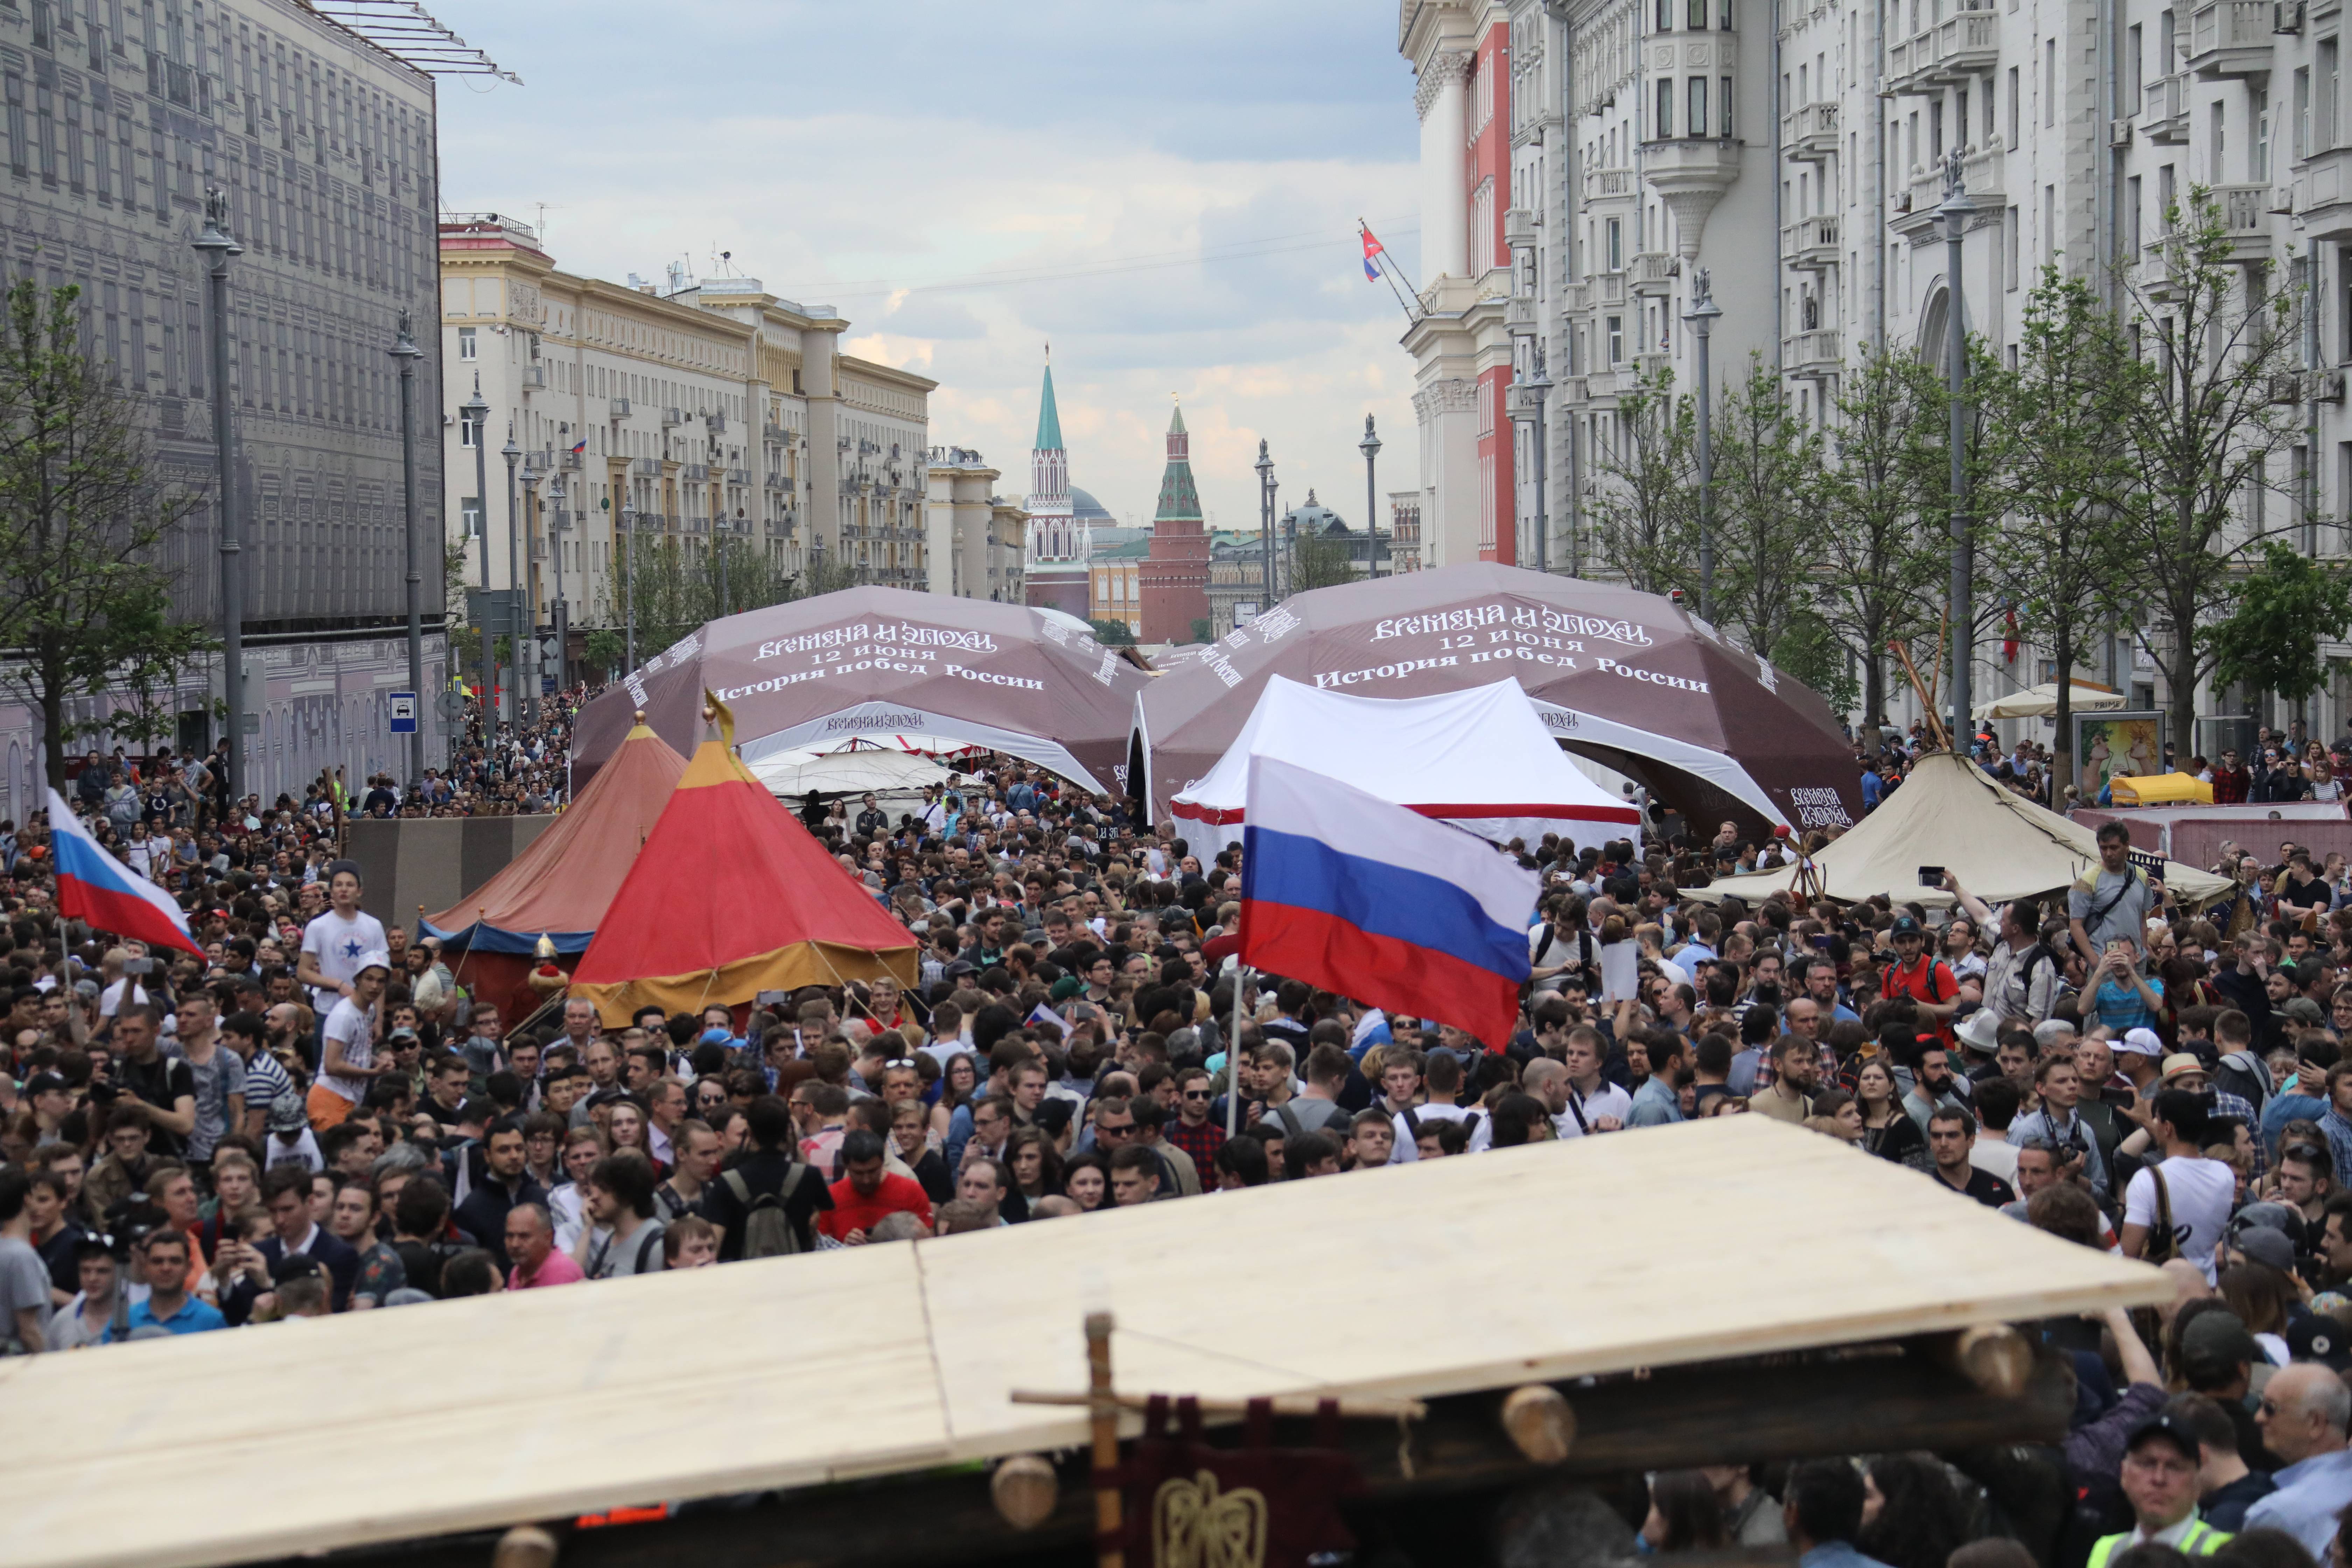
94, 886
1371, 247
1346, 891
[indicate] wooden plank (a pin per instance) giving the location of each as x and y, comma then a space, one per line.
415, 1420
1537, 1261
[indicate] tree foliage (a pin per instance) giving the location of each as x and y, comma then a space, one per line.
1113, 633
1767, 514
1641, 502
84, 603
2285, 607
1877, 571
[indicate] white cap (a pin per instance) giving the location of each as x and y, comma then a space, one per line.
2140, 1043
376, 958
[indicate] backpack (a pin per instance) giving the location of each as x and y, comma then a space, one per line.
768, 1230
2240, 1073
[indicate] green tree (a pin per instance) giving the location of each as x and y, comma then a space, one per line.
607, 650
2287, 607
1204, 630
83, 603
1808, 650
1641, 503
2200, 439
1986, 448
2050, 540
1875, 569
1315, 560
1767, 514
1113, 633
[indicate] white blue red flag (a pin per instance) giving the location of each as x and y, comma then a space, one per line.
1347, 891
94, 886
1371, 247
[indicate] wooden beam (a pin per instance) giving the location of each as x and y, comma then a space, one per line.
1884, 1398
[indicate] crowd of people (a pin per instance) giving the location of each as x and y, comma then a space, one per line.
320, 1114
2282, 766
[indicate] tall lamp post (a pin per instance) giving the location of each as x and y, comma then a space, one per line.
404, 349
218, 247
1955, 213
629, 597
529, 613
1371, 448
1701, 316
559, 617
515, 629
1265, 529
476, 414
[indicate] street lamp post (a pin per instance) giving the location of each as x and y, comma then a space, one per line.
1955, 213
1371, 448
513, 455
476, 414
404, 349
529, 614
217, 246
1701, 316
629, 598
1265, 529
561, 615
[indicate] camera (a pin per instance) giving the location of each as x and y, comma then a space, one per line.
138, 966
1931, 876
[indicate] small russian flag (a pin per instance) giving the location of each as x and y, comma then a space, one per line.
1372, 247
579, 446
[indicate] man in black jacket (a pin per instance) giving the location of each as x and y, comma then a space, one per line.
508, 1184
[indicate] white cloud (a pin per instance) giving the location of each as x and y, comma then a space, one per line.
968, 182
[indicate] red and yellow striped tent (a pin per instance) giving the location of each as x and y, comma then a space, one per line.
731, 897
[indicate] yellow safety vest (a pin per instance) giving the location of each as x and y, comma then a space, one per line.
2200, 1541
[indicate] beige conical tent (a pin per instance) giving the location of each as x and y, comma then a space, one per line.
1949, 814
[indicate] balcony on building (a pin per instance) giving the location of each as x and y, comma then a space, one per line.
1519, 315
1961, 42
2231, 37
2245, 214
1605, 185
1815, 353
2164, 118
2323, 196
1609, 288
620, 408
533, 377
1653, 273
1811, 244
1809, 131
1519, 225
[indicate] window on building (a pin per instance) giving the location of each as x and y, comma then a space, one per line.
1616, 325
1695, 13
1665, 15
1666, 106
2008, 248
2049, 81
2302, 113
2326, 129
1697, 126
2258, 134
1723, 14
470, 509
2215, 140
1723, 124
2013, 109
467, 346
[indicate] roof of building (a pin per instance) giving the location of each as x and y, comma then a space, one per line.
1317, 516
1084, 507
1049, 418
917, 1372
1180, 499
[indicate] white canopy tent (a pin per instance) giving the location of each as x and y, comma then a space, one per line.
2041, 702
854, 769
1481, 759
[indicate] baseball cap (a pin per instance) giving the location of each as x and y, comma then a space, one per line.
44, 1083
294, 1266
2219, 1338
2168, 1429
2320, 1338
1905, 926
2140, 1043
374, 958
2304, 1010
715, 1037
2269, 1247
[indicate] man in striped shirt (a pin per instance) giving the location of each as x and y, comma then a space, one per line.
265, 1081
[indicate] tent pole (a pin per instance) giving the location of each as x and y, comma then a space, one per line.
1233, 1057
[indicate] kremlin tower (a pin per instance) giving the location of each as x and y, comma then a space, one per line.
1175, 576
1056, 571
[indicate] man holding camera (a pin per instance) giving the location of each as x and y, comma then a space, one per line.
156, 1091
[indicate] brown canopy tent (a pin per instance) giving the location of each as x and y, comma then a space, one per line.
1630, 680
882, 662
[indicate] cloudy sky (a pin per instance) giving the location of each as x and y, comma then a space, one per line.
1166, 190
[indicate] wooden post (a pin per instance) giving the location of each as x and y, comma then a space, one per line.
1108, 1551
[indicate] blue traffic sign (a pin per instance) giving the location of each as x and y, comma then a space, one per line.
403, 712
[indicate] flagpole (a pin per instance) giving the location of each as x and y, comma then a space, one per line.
1233, 1057
1381, 260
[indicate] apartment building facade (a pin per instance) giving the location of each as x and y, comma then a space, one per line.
1798, 150
975, 538
716, 410
116, 118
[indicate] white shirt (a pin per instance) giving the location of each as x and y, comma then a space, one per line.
348, 1025
1609, 1100
1996, 1156
109, 1001
1405, 1150
336, 945
2201, 1192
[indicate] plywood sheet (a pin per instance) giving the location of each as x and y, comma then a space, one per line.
1731, 1236
415, 1420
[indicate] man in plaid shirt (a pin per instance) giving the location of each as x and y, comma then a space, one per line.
1192, 1131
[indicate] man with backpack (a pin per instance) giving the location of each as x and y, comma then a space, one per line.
765, 1204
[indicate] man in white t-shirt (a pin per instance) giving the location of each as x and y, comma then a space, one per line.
119, 987
348, 1065
334, 942
1594, 1104
2196, 1193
